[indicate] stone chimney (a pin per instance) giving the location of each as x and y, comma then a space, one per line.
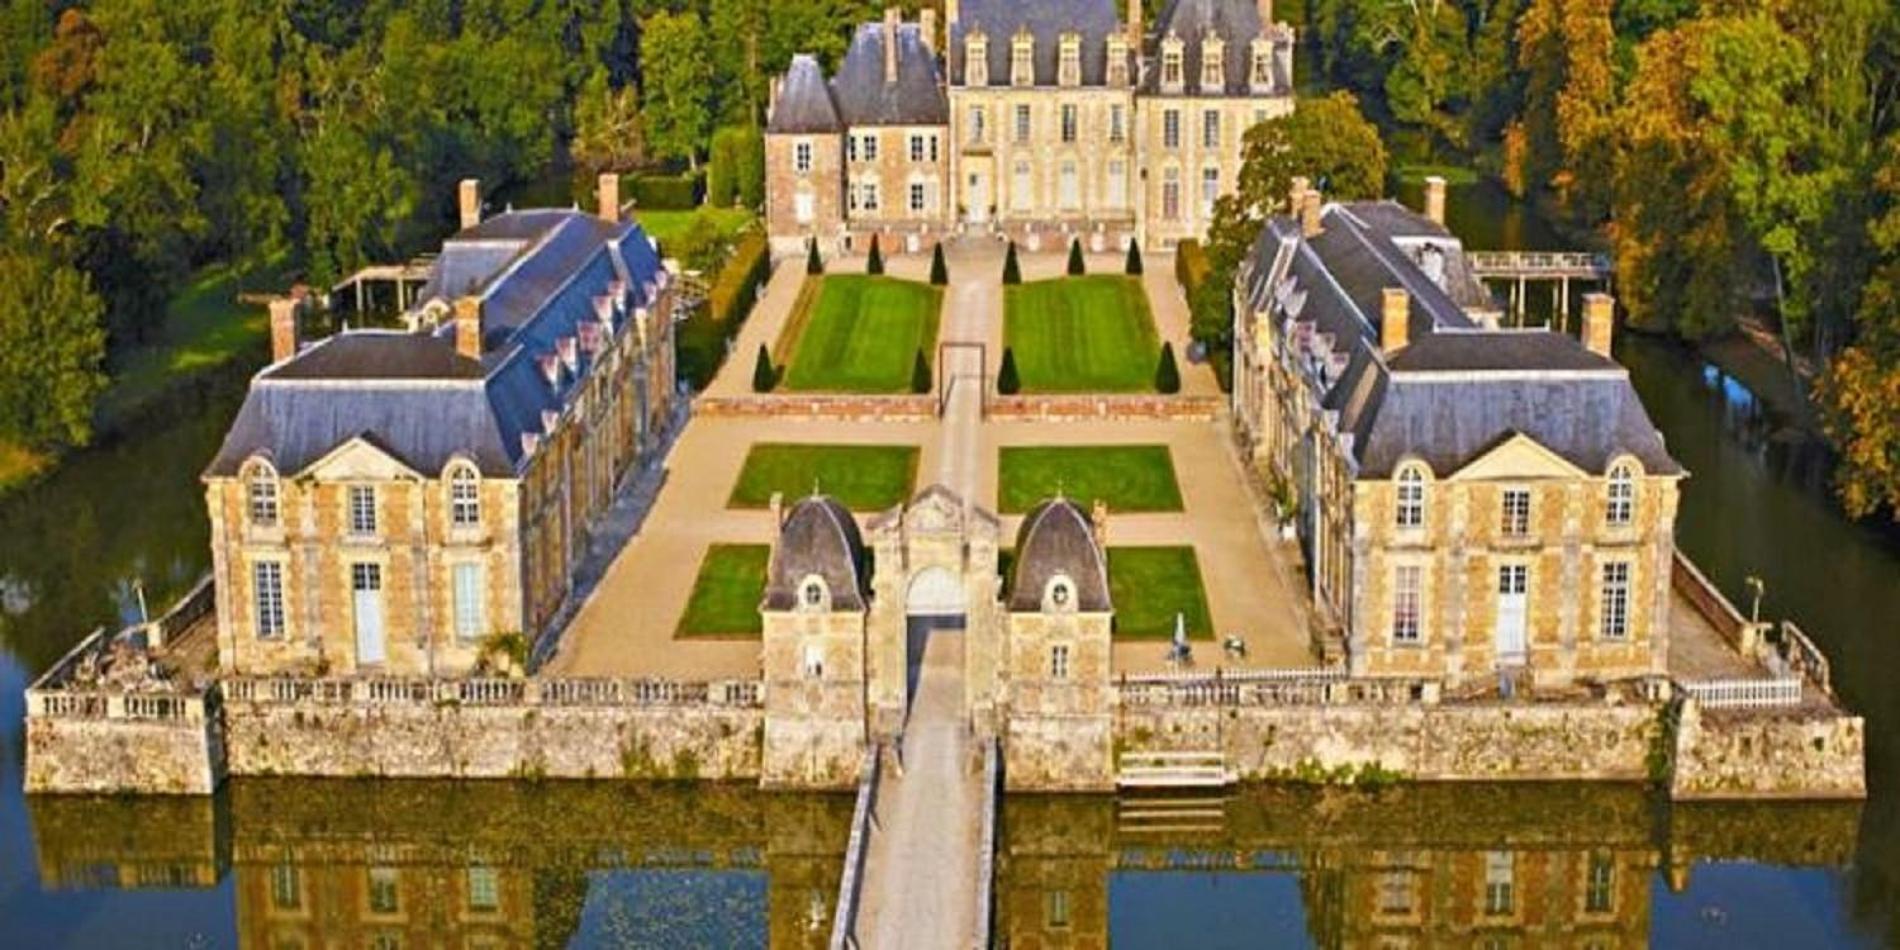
1395, 319
1135, 28
927, 27
890, 44
1310, 205
1435, 199
468, 327
1599, 323
284, 338
607, 190
949, 20
1297, 194
469, 201
1266, 12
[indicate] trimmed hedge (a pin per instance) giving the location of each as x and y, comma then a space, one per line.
735, 172
1191, 265
703, 338
667, 192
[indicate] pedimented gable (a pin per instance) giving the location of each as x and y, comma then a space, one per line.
1517, 458
358, 460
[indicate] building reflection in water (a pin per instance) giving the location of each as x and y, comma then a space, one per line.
386, 864
1420, 866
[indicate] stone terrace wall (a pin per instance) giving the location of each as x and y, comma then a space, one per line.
1752, 753
118, 755
821, 408
1053, 408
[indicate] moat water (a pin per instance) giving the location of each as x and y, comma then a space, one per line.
288, 863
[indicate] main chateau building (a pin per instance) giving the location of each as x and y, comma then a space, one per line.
1041, 120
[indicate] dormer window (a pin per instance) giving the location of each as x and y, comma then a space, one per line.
1171, 56
1069, 73
811, 593
1059, 595
1022, 65
260, 495
1118, 60
1260, 73
465, 496
1213, 61
1620, 505
976, 60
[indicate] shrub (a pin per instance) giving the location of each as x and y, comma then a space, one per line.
703, 338
764, 377
939, 270
813, 263
751, 174
1167, 375
720, 168
1191, 265
920, 374
1076, 267
1012, 273
1007, 382
1133, 267
667, 192
735, 171
876, 263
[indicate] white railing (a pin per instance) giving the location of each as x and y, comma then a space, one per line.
1223, 674
387, 691
100, 704
1806, 658
1316, 687
1496, 263
1745, 693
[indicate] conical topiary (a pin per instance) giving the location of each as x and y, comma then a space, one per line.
1007, 382
876, 263
764, 377
1076, 267
920, 374
1134, 258
813, 263
1167, 375
939, 270
1012, 274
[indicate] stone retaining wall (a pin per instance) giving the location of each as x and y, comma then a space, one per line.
1746, 753
1052, 408
123, 756
820, 408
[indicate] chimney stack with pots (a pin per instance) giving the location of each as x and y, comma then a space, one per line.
891, 15
468, 327
1310, 205
1435, 199
1599, 323
1395, 319
1135, 29
1296, 194
608, 192
469, 201
284, 337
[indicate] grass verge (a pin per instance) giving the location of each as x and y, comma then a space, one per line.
1127, 477
726, 594
861, 477
1149, 585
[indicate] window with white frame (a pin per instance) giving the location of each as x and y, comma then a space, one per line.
933, 145
1210, 190
976, 58
917, 195
869, 147
260, 490
1410, 510
1117, 184
1021, 64
1406, 602
1212, 57
1021, 191
801, 157
1620, 507
1059, 661
385, 885
1022, 125
1616, 600
804, 207
814, 661
1500, 883
1116, 123
362, 509
867, 195
1514, 518
1262, 72
465, 497
267, 595
1068, 122
916, 148
484, 889
1171, 194
1210, 128
1069, 72
1068, 190
1171, 128
1171, 66
1599, 888
468, 586
1117, 60
850, 148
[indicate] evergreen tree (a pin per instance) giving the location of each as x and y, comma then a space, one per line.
920, 374
876, 263
764, 377
939, 271
1076, 267
1133, 266
1012, 274
813, 263
1167, 375
1007, 382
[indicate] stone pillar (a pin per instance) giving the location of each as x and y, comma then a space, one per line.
284, 337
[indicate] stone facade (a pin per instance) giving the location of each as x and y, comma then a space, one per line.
1754, 754
120, 756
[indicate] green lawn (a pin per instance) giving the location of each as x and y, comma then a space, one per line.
1082, 334
861, 477
1149, 585
725, 600
1127, 477
860, 334
668, 226
205, 326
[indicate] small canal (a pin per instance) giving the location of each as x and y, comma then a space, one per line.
286, 863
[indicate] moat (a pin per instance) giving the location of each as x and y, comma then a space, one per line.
1256, 865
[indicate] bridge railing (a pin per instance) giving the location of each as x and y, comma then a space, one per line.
1757, 693
1500, 263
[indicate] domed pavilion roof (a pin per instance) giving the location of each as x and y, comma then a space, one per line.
819, 536
1057, 538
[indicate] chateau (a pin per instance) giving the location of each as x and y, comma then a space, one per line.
1471, 500
1041, 120
388, 499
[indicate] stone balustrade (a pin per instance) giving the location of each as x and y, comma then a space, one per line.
384, 691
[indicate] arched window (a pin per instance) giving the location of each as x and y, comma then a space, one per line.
1620, 506
812, 592
1411, 498
465, 497
260, 495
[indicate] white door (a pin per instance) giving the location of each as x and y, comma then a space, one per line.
1513, 596
977, 202
366, 591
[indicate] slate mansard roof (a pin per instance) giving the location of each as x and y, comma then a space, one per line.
540, 276
1056, 537
858, 95
1237, 23
1457, 389
819, 536
1046, 20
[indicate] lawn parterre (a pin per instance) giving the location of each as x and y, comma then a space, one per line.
1128, 478
1149, 585
1082, 334
859, 334
861, 477
726, 594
